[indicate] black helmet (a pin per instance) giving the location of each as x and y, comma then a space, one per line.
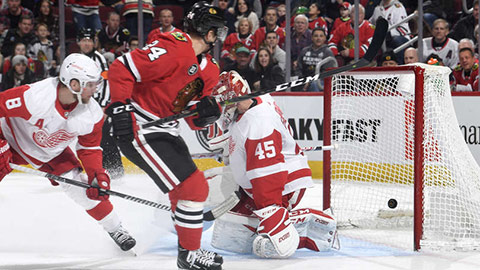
203, 17
86, 33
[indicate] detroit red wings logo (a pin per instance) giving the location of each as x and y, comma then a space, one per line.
45, 140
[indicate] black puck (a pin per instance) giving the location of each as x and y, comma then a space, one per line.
392, 203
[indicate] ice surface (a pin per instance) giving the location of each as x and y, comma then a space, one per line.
41, 228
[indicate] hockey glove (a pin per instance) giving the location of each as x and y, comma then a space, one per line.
5, 157
123, 121
277, 237
99, 180
208, 109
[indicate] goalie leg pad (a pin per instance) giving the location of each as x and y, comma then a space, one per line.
234, 232
277, 237
317, 230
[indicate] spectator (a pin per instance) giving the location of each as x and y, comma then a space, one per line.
370, 6
468, 43
278, 55
243, 9
270, 19
241, 65
344, 16
21, 34
394, 12
440, 44
243, 37
133, 43
434, 10
166, 19
85, 14
465, 27
10, 16
42, 50
113, 38
314, 18
281, 12
410, 56
389, 59
312, 55
130, 12
45, 15
255, 5
19, 49
19, 74
268, 73
341, 41
301, 36
229, 17
466, 73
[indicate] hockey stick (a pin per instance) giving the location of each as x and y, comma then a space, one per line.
306, 149
377, 41
221, 209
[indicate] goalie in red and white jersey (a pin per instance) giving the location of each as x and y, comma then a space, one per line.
272, 173
40, 121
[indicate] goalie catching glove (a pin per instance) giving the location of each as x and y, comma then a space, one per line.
123, 121
5, 157
100, 179
277, 237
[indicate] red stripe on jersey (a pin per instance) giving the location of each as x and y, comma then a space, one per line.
299, 174
264, 152
154, 161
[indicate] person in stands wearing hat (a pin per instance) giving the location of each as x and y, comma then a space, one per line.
388, 60
241, 65
344, 16
19, 74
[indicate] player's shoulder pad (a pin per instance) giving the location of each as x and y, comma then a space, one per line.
125, 31
179, 36
458, 67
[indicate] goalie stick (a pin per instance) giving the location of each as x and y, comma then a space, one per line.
306, 149
379, 35
216, 212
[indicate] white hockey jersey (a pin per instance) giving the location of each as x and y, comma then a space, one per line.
39, 129
448, 53
265, 159
393, 13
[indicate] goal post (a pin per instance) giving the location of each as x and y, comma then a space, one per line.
402, 162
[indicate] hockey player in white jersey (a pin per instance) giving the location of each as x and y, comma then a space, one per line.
272, 173
40, 121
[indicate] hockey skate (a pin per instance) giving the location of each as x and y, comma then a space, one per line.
199, 259
123, 239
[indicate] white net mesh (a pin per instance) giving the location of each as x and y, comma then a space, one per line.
373, 123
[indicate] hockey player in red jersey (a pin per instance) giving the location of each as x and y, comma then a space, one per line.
273, 174
160, 80
41, 120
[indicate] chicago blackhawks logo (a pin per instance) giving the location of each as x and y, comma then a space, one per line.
45, 140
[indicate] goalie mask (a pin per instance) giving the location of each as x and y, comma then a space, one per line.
83, 69
230, 85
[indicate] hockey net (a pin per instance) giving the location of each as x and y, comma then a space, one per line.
399, 139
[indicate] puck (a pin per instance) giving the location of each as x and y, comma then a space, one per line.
392, 203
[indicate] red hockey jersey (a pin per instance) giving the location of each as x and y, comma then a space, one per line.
466, 79
233, 41
344, 36
319, 23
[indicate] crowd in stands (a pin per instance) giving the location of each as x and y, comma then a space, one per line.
322, 36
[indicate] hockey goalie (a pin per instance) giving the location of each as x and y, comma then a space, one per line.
271, 172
